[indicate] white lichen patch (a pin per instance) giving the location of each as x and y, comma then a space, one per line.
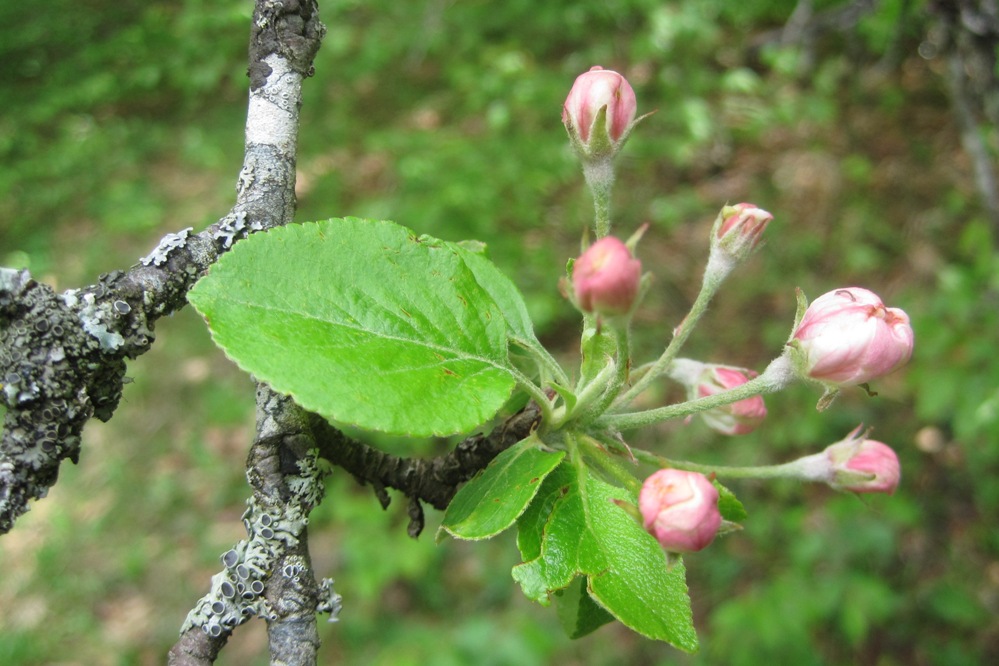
167, 244
235, 225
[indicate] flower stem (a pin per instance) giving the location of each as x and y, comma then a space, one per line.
709, 286
537, 394
777, 376
621, 363
599, 177
544, 358
796, 469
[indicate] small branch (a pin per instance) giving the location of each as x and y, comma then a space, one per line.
972, 39
971, 139
805, 25
269, 574
433, 481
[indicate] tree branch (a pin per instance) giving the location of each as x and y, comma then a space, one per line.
62, 357
434, 480
971, 30
270, 573
63, 360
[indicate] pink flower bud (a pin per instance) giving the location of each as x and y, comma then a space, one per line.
740, 227
737, 418
862, 465
592, 91
849, 337
680, 509
606, 278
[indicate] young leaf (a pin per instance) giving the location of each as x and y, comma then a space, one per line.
502, 290
494, 499
506, 295
577, 612
587, 534
364, 323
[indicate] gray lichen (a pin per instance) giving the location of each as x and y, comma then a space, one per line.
95, 320
235, 226
62, 360
329, 601
237, 592
167, 244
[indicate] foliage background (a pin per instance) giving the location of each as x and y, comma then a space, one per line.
123, 121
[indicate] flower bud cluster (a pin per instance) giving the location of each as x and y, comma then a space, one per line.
845, 337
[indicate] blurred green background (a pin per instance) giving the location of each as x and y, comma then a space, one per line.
123, 120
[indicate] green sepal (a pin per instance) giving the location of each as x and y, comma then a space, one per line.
729, 506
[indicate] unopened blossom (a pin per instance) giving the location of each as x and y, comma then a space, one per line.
848, 337
739, 229
855, 463
606, 278
706, 379
595, 135
680, 509
736, 418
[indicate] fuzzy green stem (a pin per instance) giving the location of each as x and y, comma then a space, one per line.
796, 469
777, 376
587, 394
709, 286
599, 175
544, 359
537, 394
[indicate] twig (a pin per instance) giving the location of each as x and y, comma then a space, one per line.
434, 480
972, 33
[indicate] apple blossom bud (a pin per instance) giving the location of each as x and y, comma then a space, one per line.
848, 337
704, 379
606, 278
739, 228
680, 509
596, 135
862, 465
737, 418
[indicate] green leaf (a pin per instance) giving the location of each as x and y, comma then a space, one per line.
729, 506
577, 612
502, 290
364, 323
493, 500
506, 295
587, 534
